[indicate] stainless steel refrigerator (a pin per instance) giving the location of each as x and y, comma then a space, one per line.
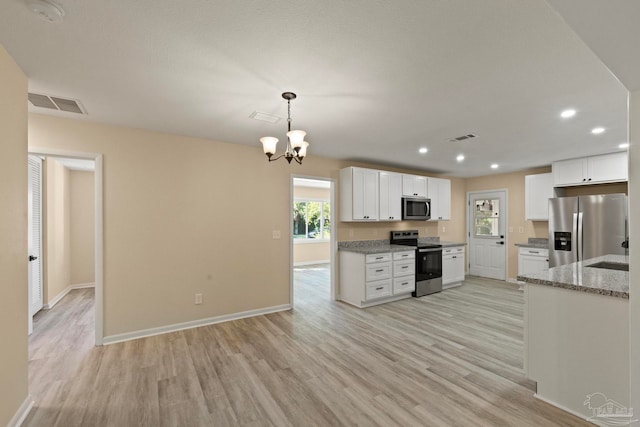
586, 227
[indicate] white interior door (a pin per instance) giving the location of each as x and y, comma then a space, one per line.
487, 244
35, 236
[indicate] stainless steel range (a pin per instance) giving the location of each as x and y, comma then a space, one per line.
428, 262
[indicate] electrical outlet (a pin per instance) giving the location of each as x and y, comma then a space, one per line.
198, 299
276, 234
510, 229
520, 229
444, 229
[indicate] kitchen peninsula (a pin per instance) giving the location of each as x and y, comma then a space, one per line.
576, 332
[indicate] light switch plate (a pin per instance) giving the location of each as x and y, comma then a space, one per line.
276, 234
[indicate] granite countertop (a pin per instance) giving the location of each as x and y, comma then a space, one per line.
535, 242
578, 277
382, 246
446, 244
377, 249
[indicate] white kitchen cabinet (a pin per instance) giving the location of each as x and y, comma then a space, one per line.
453, 266
390, 196
373, 279
532, 261
439, 191
538, 189
591, 170
358, 194
414, 186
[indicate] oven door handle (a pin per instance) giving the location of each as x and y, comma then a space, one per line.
429, 250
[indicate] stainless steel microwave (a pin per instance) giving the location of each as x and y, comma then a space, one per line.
416, 208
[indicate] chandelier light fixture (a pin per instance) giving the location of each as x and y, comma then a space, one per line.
296, 145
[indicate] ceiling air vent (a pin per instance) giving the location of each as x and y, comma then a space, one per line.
264, 117
55, 103
463, 138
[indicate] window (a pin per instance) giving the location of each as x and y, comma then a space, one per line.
487, 215
311, 220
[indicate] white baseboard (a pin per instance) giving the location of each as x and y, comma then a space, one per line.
552, 403
128, 336
64, 292
513, 280
22, 412
301, 264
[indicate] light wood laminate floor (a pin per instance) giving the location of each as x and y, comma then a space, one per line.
449, 359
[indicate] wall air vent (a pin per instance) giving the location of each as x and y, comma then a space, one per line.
463, 137
55, 103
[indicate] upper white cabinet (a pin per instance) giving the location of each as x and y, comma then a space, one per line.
390, 196
590, 170
439, 191
538, 189
358, 194
414, 186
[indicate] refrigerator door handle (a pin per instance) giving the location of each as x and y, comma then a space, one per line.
579, 236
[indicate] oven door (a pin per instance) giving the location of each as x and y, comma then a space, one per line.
428, 264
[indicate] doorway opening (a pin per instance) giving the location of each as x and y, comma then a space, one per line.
486, 237
313, 240
71, 235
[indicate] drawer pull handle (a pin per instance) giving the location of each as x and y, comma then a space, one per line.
405, 283
379, 257
379, 271
380, 288
405, 266
534, 252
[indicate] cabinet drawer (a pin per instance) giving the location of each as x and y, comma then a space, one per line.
404, 284
454, 250
378, 289
534, 252
404, 268
378, 271
378, 258
404, 255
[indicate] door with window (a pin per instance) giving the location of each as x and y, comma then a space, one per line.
34, 224
487, 239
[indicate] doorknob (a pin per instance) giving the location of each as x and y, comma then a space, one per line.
32, 258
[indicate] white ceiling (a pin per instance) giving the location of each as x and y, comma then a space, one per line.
375, 80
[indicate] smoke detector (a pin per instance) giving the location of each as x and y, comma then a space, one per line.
46, 10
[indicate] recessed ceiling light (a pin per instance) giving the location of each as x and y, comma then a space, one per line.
460, 157
624, 145
597, 131
568, 113
494, 166
423, 150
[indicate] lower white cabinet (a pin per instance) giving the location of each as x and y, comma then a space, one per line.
453, 266
532, 261
372, 279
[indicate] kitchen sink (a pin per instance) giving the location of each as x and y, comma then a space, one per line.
610, 265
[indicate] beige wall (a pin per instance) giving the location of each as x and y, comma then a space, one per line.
57, 241
514, 183
81, 217
13, 237
172, 227
311, 252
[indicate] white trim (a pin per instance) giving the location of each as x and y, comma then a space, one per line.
302, 264
309, 241
128, 336
65, 291
98, 231
564, 408
513, 280
22, 412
